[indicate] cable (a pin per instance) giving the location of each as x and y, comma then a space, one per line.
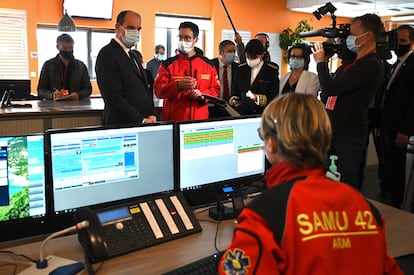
17, 255
42, 263
15, 262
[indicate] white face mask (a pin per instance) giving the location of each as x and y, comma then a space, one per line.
131, 37
185, 47
253, 62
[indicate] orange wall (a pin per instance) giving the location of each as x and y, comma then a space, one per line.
254, 16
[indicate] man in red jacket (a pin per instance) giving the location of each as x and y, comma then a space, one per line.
183, 79
305, 223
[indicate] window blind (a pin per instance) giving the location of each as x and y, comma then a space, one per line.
14, 63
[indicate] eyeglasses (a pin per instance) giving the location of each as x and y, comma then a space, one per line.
186, 38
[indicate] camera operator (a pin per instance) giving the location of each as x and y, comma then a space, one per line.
348, 92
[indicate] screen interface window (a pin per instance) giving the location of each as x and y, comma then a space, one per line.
22, 177
217, 151
99, 166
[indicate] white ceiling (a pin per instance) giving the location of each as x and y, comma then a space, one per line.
352, 8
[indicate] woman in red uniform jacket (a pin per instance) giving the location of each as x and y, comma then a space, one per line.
305, 223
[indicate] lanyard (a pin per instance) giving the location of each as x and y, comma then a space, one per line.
63, 73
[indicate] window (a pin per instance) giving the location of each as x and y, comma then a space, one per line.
166, 33
87, 45
13, 40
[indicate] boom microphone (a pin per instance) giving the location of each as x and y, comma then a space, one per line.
42, 263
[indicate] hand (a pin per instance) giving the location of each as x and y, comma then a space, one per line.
149, 119
196, 93
60, 93
251, 95
401, 140
235, 101
318, 52
238, 38
187, 83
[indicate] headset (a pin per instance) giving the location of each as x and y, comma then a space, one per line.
267, 38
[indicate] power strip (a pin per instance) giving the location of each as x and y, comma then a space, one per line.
53, 263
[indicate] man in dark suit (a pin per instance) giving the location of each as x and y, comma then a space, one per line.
257, 81
123, 83
397, 118
226, 71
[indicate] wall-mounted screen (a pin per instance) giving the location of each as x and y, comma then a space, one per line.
100, 9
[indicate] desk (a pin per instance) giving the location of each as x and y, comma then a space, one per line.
47, 114
167, 256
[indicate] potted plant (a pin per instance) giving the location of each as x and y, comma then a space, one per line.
288, 37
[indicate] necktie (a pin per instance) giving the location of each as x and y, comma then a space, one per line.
134, 61
226, 93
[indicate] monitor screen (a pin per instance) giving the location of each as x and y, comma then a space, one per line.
22, 186
21, 88
98, 166
218, 156
99, 9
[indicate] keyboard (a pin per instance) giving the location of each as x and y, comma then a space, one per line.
207, 265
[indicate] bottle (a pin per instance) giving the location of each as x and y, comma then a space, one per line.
332, 172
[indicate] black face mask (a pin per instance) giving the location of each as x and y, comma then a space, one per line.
68, 55
403, 49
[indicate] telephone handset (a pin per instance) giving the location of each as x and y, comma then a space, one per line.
92, 238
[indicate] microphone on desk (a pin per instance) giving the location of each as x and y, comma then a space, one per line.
42, 262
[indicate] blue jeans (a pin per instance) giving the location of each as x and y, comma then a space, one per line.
351, 153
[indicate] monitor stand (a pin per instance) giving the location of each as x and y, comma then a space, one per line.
222, 212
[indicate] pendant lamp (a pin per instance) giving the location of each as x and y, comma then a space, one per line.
66, 23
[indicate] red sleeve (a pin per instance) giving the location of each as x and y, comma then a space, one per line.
253, 249
164, 86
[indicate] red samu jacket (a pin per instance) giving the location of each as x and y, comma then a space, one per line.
308, 225
178, 105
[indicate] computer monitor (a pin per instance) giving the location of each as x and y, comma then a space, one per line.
101, 166
21, 88
22, 187
219, 157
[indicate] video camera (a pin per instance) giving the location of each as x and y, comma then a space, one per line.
336, 37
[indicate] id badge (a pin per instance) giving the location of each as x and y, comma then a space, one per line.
330, 103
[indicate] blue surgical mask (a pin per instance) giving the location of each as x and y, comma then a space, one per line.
161, 56
350, 43
229, 58
131, 37
296, 63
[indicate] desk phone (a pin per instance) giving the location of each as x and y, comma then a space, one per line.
138, 224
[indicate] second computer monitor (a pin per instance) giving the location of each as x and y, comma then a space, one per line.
218, 156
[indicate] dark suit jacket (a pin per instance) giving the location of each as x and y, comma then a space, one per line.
266, 83
218, 111
125, 90
398, 109
234, 66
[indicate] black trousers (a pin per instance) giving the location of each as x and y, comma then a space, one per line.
394, 170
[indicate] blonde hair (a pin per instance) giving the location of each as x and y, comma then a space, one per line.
300, 128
